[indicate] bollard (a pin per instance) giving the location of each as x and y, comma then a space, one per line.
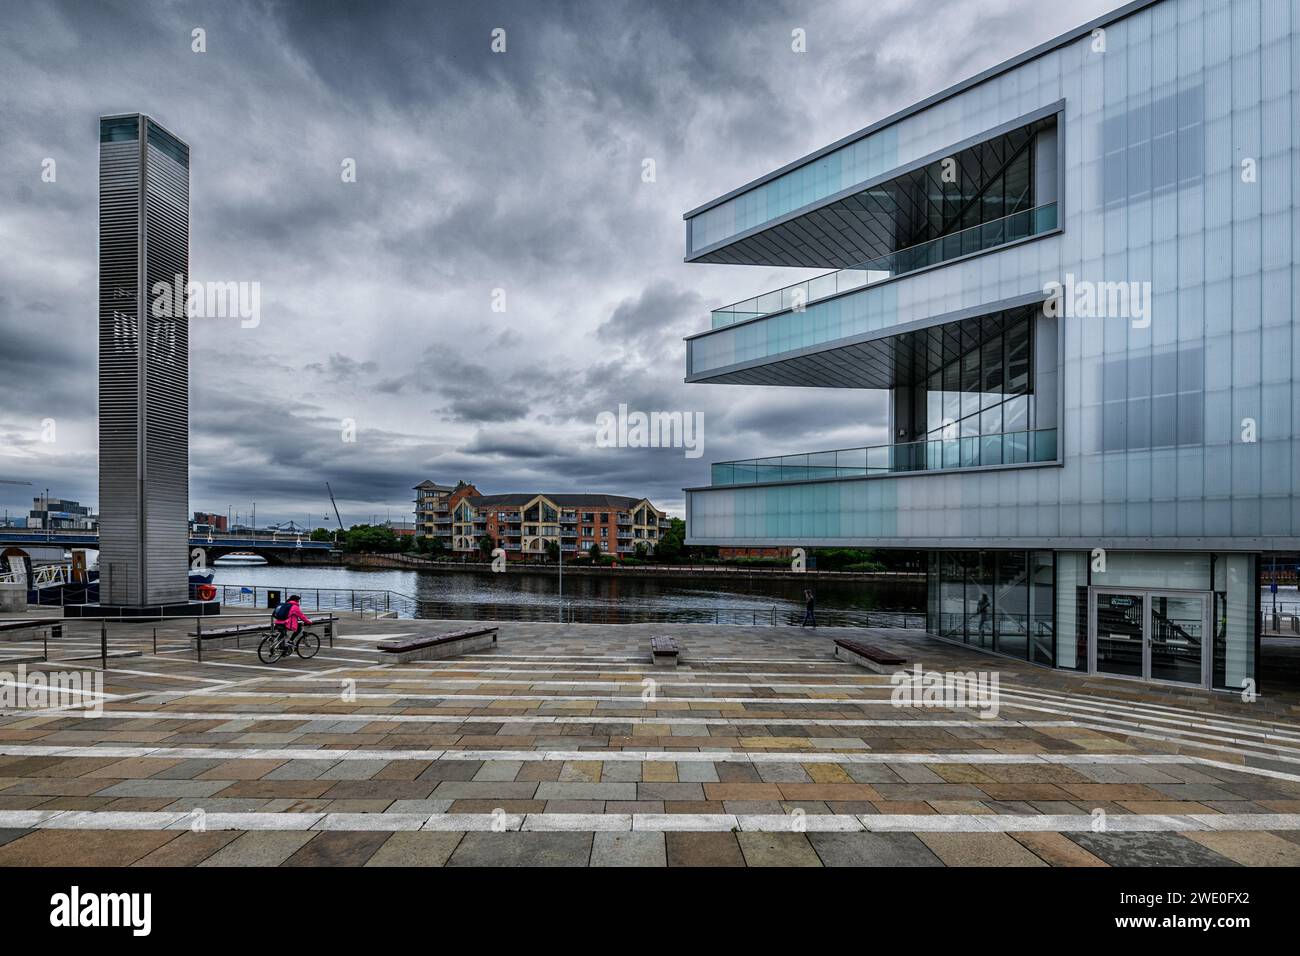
103, 644
155, 642
198, 638
45, 650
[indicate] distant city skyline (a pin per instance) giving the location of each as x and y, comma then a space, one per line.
506, 267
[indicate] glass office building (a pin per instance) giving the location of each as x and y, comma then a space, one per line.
1073, 276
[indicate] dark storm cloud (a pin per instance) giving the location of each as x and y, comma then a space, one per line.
659, 315
339, 367
498, 275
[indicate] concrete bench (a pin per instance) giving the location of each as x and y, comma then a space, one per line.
434, 646
867, 655
12, 630
664, 651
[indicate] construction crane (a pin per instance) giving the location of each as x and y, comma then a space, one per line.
336, 506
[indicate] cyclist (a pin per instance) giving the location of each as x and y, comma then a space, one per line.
288, 617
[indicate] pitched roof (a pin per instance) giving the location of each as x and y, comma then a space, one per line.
428, 485
563, 501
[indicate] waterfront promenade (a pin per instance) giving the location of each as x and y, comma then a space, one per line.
565, 746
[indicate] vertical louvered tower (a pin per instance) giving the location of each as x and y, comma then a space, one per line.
144, 224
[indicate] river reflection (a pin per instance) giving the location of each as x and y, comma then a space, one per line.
618, 597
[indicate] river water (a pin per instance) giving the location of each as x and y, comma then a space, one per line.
614, 598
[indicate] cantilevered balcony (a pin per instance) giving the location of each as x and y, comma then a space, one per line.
941, 454
849, 207
980, 238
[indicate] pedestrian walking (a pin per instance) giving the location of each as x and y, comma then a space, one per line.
809, 617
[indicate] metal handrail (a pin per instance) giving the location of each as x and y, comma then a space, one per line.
927, 454
901, 261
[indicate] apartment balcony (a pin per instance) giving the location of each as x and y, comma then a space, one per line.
946, 454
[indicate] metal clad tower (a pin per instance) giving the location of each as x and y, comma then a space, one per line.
144, 222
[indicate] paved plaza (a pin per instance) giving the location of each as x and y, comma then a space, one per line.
564, 746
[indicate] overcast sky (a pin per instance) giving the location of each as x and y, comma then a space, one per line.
475, 171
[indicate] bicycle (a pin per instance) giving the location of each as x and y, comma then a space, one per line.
280, 643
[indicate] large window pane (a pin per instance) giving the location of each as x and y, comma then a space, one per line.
1011, 602
1041, 606
979, 599
1072, 610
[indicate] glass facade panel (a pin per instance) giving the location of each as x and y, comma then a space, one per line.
1042, 587
994, 600
1011, 600
968, 394
1072, 610
119, 129
1234, 619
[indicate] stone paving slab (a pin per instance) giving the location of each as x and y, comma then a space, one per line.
761, 747
1150, 849
629, 849
264, 848
416, 849
523, 849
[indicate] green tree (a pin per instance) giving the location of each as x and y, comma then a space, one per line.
485, 546
322, 534
370, 539
594, 552
552, 550
672, 544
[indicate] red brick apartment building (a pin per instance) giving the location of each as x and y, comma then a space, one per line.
525, 524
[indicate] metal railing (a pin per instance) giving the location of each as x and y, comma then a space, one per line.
378, 601
988, 235
45, 575
573, 611
1022, 447
87, 640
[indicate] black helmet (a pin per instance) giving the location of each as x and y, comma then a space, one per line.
295, 597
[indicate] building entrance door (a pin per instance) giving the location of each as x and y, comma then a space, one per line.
1150, 635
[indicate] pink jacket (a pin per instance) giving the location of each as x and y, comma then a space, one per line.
296, 618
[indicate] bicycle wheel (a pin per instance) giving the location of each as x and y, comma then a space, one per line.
308, 645
268, 652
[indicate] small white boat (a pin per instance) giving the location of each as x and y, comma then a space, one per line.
239, 559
